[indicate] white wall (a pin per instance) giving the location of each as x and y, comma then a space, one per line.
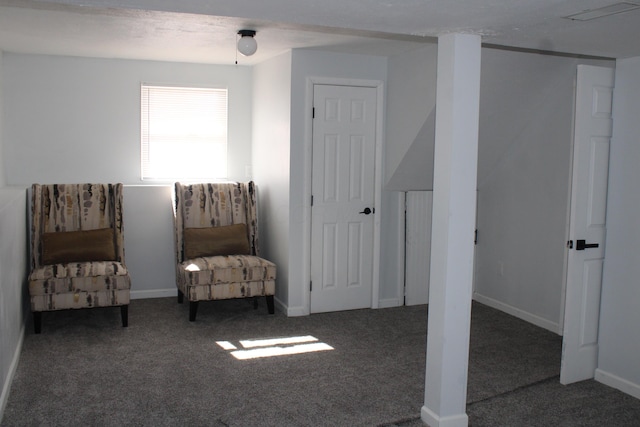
13, 269
149, 240
78, 120
619, 339
13, 272
2, 172
411, 105
524, 164
271, 169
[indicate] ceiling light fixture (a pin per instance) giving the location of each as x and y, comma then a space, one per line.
247, 44
613, 9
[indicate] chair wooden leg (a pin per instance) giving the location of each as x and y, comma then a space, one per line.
180, 297
37, 321
270, 304
193, 310
255, 303
124, 314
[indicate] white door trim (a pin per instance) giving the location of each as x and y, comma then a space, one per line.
306, 215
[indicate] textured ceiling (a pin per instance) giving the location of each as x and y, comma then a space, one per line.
205, 30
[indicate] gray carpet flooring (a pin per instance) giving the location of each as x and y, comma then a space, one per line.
84, 369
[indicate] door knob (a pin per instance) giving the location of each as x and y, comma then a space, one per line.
366, 211
581, 245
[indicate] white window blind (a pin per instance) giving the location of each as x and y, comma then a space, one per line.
184, 133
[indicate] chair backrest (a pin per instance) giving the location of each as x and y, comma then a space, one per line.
74, 207
212, 205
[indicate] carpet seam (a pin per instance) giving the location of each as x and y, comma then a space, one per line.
522, 387
469, 404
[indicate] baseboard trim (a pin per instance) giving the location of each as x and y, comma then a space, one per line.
388, 303
154, 293
519, 313
294, 311
617, 382
6, 387
433, 420
291, 311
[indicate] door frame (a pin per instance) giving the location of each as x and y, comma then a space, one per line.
308, 148
567, 228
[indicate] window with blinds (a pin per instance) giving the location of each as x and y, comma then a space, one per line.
184, 133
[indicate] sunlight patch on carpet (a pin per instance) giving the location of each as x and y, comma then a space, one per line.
271, 347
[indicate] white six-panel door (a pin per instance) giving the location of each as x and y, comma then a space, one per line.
587, 229
343, 190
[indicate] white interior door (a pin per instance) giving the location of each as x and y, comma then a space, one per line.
587, 228
343, 192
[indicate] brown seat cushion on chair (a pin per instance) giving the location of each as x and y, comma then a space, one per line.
215, 241
78, 246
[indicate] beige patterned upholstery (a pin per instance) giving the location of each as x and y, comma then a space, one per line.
80, 283
218, 277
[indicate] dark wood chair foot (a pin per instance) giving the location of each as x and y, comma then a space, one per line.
255, 303
270, 304
124, 314
193, 310
37, 321
180, 297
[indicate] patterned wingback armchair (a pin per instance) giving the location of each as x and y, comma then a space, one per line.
77, 249
216, 241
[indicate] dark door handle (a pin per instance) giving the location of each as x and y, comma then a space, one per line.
366, 211
581, 245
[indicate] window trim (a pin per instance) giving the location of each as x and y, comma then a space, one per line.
220, 132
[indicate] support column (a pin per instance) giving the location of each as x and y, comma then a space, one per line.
453, 225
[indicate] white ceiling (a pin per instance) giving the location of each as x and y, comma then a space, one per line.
205, 31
